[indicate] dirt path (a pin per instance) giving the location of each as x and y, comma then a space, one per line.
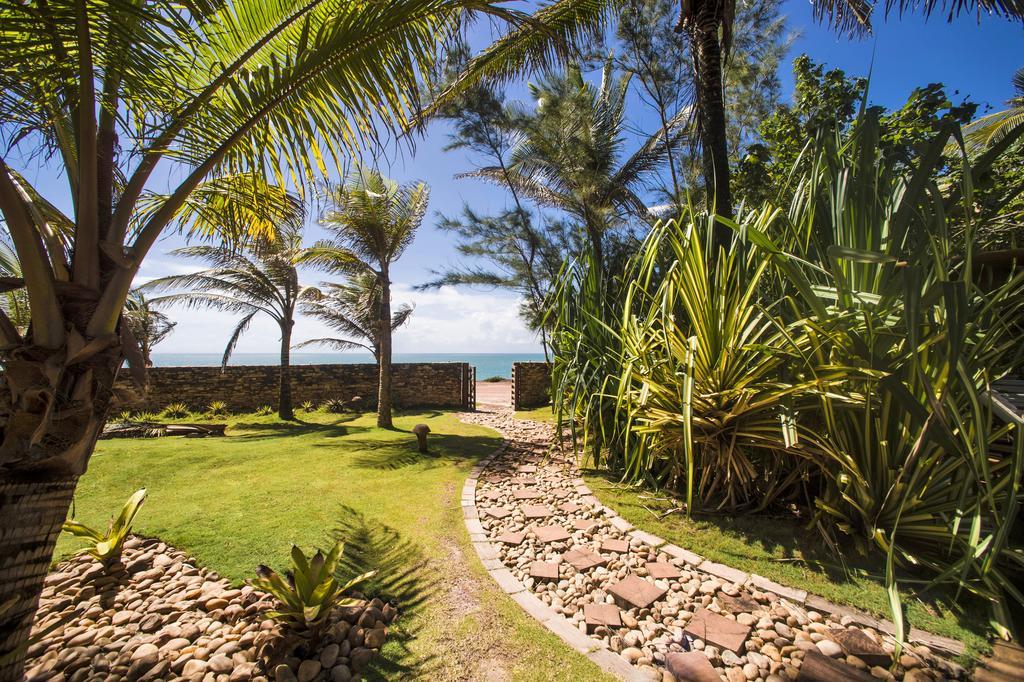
463, 609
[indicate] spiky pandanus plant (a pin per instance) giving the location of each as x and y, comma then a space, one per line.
914, 466
261, 280
372, 220
352, 308
712, 379
123, 98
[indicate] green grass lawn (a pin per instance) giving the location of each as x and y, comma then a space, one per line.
240, 501
791, 554
537, 414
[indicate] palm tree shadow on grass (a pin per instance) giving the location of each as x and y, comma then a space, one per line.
256, 430
443, 450
403, 579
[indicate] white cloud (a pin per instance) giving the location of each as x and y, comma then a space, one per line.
447, 320
451, 320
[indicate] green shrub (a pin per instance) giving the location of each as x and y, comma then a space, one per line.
836, 356
307, 406
264, 410
176, 411
495, 379
218, 408
106, 547
339, 406
705, 394
309, 591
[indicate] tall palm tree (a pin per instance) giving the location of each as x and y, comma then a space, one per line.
373, 220
352, 309
263, 280
560, 31
116, 98
15, 303
571, 154
148, 326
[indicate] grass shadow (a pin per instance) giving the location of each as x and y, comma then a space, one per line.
403, 578
444, 449
258, 430
784, 537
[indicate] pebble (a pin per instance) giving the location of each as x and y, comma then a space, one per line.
282, 673
169, 619
329, 655
782, 632
830, 648
308, 670
220, 664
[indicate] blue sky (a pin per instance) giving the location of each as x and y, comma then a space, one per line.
973, 59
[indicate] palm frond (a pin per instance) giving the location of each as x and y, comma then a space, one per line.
340, 345
236, 335
550, 37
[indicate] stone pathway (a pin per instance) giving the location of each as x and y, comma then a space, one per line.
645, 609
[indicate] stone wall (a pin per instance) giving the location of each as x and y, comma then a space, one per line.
531, 384
247, 387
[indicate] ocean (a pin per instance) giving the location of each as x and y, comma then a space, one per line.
487, 364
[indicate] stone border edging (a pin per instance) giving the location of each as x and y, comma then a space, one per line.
595, 650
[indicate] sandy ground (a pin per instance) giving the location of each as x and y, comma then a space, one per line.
494, 393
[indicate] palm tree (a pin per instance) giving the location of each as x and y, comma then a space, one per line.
261, 280
352, 309
15, 302
560, 31
373, 219
993, 128
570, 156
148, 326
119, 97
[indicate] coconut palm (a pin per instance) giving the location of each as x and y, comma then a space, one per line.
263, 280
15, 302
352, 309
148, 326
992, 128
571, 154
562, 30
116, 98
372, 220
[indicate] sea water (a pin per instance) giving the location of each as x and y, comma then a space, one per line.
487, 364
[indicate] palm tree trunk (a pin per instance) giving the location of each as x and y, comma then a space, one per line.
595, 235
707, 57
50, 417
31, 514
384, 364
284, 395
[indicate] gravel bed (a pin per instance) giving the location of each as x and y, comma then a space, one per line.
158, 616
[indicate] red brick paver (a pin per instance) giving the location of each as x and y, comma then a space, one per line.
634, 591
717, 630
